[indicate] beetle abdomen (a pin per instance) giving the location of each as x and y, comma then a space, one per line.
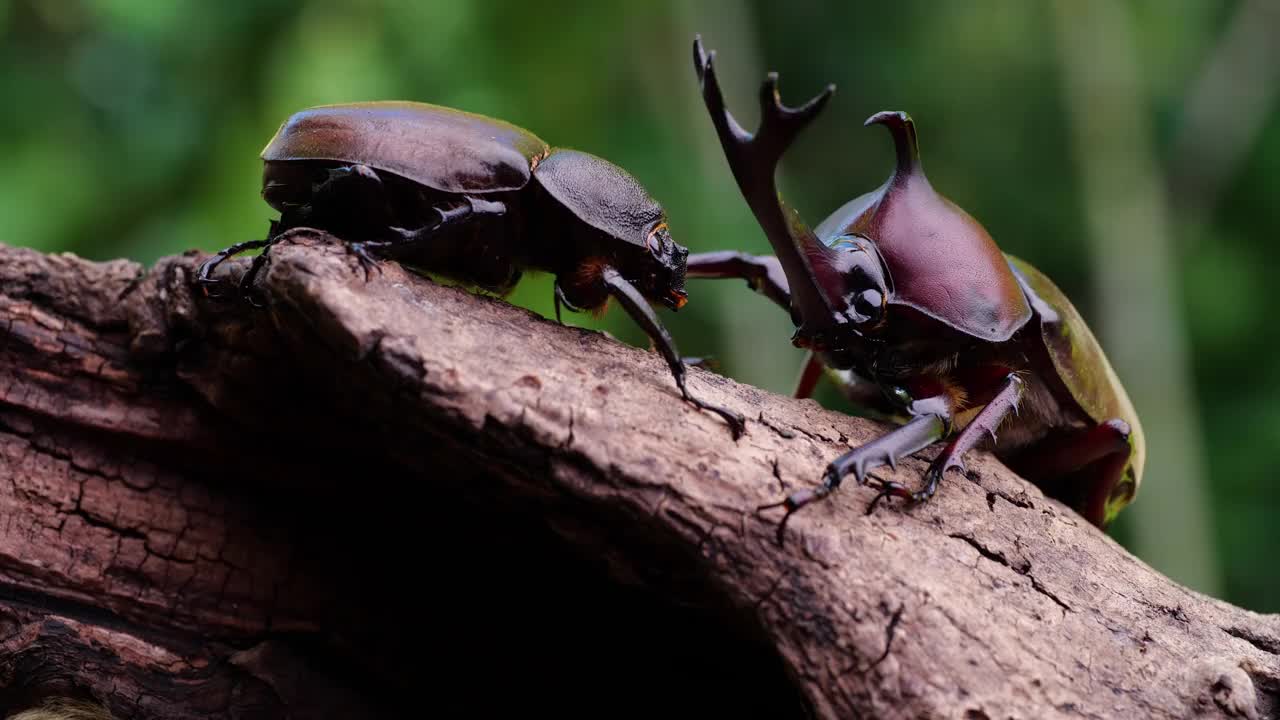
442, 148
1081, 364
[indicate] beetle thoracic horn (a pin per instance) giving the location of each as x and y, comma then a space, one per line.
903, 131
753, 159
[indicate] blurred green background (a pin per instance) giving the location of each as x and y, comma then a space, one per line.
1131, 150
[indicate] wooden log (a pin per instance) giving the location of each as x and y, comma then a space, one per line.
382, 494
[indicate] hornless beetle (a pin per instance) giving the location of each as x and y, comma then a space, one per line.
902, 288
477, 200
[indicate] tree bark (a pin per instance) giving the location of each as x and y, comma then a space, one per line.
382, 494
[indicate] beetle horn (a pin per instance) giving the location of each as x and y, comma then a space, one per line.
753, 158
903, 131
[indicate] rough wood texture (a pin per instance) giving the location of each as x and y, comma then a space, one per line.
212, 511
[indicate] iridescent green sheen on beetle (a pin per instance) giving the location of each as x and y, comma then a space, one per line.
905, 299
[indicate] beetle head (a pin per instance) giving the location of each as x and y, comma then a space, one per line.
662, 277
851, 277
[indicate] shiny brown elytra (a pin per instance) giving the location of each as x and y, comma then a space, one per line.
906, 300
477, 200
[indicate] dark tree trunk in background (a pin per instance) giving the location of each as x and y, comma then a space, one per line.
388, 495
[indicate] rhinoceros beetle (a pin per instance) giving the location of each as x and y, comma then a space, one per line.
907, 299
477, 200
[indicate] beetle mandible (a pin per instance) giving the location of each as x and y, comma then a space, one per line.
478, 200
905, 297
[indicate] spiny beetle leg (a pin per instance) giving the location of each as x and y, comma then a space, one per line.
985, 424
922, 431
638, 308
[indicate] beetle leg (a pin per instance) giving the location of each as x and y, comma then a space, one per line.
763, 273
277, 233
1050, 465
560, 299
250, 275
450, 216
347, 180
985, 423
401, 239
365, 250
810, 374
205, 276
643, 314
931, 423
705, 363
367, 262
348, 191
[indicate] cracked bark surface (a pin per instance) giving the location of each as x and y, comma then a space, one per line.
214, 511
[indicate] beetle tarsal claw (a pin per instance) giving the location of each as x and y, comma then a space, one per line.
888, 488
737, 423
792, 503
366, 260
881, 495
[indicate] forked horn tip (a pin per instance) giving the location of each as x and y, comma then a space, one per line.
821, 98
770, 98
701, 58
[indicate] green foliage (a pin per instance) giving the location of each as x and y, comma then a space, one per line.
132, 128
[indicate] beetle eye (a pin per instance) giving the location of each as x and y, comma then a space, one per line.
864, 287
868, 304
